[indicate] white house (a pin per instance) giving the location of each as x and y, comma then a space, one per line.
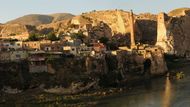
13, 45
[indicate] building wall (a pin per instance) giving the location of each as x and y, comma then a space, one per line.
13, 45
31, 45
13, 55
20, 37
38, 69
53, 47
18, 55
4, 56
161, 29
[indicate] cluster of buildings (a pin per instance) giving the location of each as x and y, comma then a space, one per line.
38, 52
19, 50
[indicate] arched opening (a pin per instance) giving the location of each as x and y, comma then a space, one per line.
147, 67
147, 73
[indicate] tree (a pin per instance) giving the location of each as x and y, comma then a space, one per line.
51, 36
104, 40
78, 35
112, 45
33, 37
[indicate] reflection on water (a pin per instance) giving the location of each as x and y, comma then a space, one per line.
159, 94
167, 93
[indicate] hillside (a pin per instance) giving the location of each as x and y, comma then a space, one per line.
102, 23
61, 16
115, 22
179, 12
1, 27
38, 19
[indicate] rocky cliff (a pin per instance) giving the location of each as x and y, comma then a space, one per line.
178, 29
179, 12
173, 33
108, 70
115, 22
17, 31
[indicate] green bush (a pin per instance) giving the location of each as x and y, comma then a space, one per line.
33, 37
51, 36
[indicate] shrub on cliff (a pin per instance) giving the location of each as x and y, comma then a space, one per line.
33, 37
78, 35
51, 36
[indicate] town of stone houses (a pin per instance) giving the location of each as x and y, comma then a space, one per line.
67, 44
91, 51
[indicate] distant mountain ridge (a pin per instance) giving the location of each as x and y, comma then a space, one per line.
38, 19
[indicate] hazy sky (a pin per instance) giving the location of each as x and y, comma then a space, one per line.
11, 9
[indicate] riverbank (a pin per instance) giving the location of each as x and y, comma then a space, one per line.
36, 97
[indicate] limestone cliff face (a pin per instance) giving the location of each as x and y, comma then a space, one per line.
1, 27
158, 62
173, 34
107, 23
17, 31
13, 29
134, 63
179, 31
117, 20
179, 12
162, 33
114, 22
60, 26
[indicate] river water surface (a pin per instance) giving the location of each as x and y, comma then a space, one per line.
162, 92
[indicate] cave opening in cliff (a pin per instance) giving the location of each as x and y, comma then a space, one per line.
147, 67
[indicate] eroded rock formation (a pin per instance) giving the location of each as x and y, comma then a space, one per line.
173, 34
17, 31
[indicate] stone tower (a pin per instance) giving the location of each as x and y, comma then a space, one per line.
163, 37
132, 30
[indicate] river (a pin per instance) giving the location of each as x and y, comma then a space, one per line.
162, 92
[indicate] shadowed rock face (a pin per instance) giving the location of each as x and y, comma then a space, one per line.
179, 33
173, 34
109, 69
148, 29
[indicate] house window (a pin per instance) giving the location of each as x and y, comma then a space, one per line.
11, 43
18, 56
